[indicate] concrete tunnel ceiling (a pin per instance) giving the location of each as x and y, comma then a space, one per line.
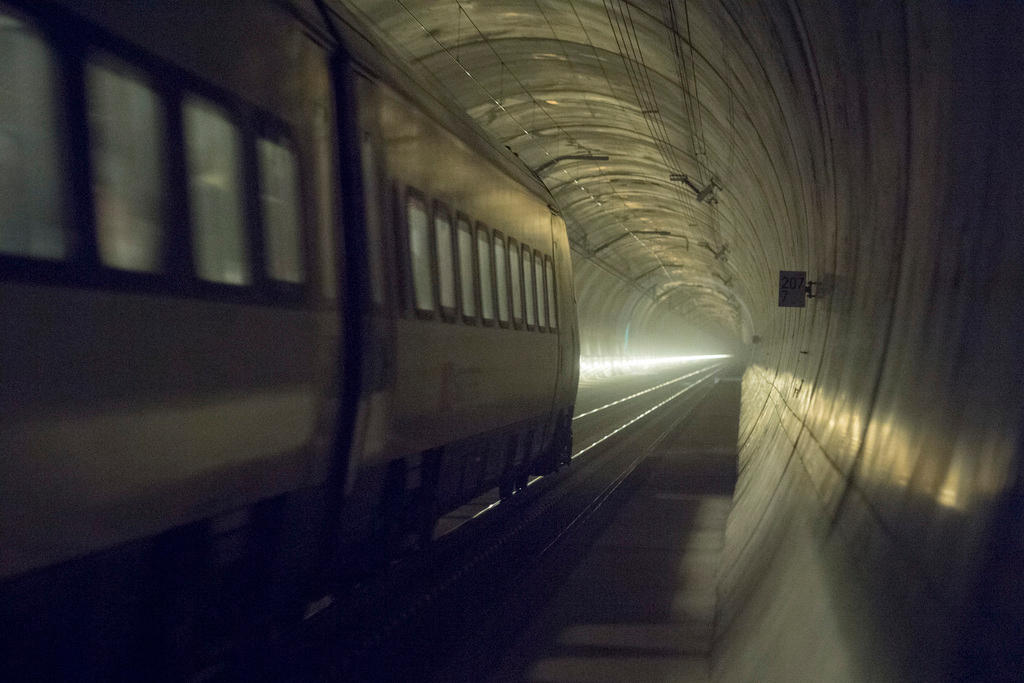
879, 146
661, 90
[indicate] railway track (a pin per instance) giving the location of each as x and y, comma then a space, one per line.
405, 622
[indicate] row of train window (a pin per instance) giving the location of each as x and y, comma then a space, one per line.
127, 122
465, 272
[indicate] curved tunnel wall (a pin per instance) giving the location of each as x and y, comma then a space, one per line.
876, 522
876, 528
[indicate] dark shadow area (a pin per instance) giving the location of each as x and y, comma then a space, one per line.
630, 595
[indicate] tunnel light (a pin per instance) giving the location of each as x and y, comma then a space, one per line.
606, 366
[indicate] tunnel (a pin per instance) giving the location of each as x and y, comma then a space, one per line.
696, 149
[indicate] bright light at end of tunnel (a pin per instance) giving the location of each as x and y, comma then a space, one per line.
606, 366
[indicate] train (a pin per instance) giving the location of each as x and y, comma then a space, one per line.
271, 308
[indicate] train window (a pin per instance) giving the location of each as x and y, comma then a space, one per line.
30, 181
279, 201
465, 244
538, 265
126, 133
549, 271
515, 268
418, 224
445, 261
213, 148
501, 271
531, 316
483, 252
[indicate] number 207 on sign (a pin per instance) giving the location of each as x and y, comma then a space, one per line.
791, 288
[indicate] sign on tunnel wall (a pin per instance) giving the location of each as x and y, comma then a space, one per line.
791, 288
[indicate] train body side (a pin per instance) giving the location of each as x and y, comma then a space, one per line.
455, 378
134, 402
452, 401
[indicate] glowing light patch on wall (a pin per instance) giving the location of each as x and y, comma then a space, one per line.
604, 366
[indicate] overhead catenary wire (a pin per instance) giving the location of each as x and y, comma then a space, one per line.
631, 53
620, 18
688, 99
497, 101
696, 91
569, 61
629, 48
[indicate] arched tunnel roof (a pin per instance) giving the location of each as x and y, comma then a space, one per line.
649, 122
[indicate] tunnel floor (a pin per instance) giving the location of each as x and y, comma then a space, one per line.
604, 571
629, 595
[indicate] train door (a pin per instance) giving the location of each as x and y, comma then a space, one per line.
368, 309
379, 298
